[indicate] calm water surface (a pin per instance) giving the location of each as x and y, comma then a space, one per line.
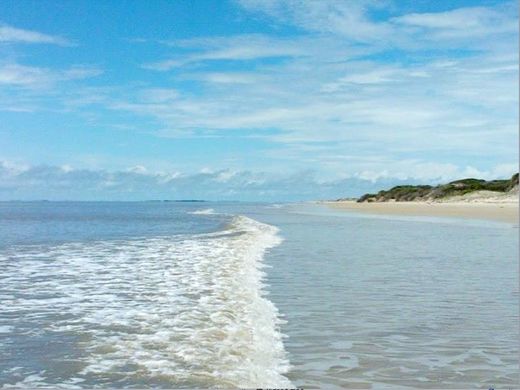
374, 302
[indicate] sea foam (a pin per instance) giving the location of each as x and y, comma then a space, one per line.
177, 311
203, 212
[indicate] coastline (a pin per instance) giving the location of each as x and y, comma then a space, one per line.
500, 211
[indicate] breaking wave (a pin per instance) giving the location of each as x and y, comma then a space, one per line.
177, 311
203, 212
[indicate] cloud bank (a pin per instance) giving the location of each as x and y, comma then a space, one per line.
43, 182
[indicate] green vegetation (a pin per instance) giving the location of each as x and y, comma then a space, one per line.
424, 192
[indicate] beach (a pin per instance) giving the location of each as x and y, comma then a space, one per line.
236, 295
499, 211
259, 195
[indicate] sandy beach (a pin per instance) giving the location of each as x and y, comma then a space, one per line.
500, 211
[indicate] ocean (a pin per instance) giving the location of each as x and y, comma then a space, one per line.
197, 295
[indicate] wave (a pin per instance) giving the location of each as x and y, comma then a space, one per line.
203, 212
181, 311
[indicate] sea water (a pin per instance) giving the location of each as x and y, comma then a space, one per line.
180, 295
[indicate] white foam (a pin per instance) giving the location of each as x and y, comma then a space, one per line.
6, 328
192, 310
203, 212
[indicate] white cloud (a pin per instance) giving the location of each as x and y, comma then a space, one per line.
9, 34
315, 100
80, 72
138, 183
138, 169
346, 18
15, 74
376, 76
463, 22
235, 48
353, 20
322, 92
30, 76
159, 95
229, 77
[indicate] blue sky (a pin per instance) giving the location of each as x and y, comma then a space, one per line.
253, 99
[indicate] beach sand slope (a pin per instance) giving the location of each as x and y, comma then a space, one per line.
478, 205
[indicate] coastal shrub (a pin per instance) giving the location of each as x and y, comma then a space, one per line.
365, 197
405, 193
498, 185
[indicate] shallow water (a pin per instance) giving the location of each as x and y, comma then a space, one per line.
174, 295
376, 302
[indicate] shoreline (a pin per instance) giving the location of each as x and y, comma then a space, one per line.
501, 212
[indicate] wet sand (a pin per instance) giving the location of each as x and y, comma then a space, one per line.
503, 212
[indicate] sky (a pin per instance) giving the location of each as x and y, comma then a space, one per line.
253, 99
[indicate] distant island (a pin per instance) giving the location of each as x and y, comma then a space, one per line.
178, 200
458, 188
